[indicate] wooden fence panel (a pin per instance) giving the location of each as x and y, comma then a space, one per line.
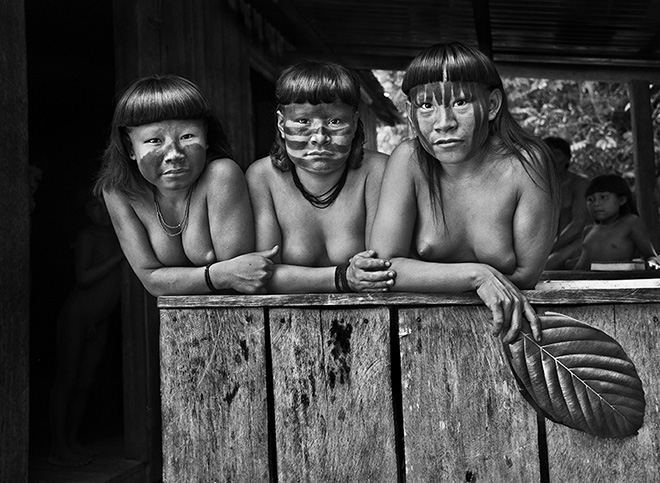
464, 418
577, 456
333, 399
213, 384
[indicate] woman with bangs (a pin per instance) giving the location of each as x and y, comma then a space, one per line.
178, 202
315, 196
469, 203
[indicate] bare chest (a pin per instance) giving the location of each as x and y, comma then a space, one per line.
468, 226
313, 236
191, 247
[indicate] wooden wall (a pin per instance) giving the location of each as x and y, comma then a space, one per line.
212, 42
391, 388
14, 248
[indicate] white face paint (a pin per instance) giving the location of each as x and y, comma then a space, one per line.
169, 154
451, 118
318, 137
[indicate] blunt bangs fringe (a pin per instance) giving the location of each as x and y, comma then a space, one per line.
317, 83
612, 183
451, 62
161, 98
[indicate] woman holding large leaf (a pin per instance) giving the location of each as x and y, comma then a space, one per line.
469, 203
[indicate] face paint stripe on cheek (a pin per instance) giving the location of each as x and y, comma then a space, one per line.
298, 143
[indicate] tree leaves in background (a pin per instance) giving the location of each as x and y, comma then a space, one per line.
580, 377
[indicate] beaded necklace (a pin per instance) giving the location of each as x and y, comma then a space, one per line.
179, 227
323, 200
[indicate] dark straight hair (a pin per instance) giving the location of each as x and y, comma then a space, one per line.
457, 62
316, 83
148, 100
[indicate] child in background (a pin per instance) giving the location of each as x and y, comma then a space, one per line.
617, 234
82, 330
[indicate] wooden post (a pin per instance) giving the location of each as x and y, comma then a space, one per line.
14, 249
463, 417
332, 394
642, 128
213, 377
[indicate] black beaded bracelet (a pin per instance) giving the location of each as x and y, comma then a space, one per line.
207, 277
341, 282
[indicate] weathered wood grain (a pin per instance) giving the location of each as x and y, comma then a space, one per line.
577, 456
333, 399
549, 297
15, 246
213, 384
463, 416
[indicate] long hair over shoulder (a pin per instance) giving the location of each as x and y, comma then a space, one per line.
317, 83
457, 62
148, 100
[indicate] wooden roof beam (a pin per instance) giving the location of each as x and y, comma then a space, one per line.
481, 12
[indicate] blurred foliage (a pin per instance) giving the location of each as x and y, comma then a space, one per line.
593, 116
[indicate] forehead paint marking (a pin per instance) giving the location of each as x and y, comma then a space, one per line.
443, 93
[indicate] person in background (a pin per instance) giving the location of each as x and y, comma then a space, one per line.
315, 196
178, 202
617, 233
82, 330
470, 203
573, 214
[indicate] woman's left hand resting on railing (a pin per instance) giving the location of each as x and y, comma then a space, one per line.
470, 203
316, 194
367, 273
178, 202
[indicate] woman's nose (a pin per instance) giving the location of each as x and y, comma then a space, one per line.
320, 134
444, 119
174, 151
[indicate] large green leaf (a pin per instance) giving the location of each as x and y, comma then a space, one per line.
580, 377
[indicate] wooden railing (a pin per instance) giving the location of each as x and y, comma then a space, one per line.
382, 388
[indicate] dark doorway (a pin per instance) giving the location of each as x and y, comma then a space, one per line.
70, 99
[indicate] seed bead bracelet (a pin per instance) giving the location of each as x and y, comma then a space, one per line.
207, 277
341, 281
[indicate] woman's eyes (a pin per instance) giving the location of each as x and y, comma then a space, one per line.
331, 122
456, 103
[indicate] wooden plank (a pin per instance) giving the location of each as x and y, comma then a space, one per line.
577, 456
464, 418
598, 284
140, 361
597, 275
213, 384
332, 391
560, 296
15, 246
644, 156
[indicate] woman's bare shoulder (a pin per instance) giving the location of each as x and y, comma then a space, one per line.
222, 167
373, 162
261, 171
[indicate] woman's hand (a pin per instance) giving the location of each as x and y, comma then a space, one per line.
653, 263
366, 273
249, 273
507, 305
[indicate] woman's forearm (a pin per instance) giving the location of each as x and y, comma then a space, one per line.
298, 279
420, 276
